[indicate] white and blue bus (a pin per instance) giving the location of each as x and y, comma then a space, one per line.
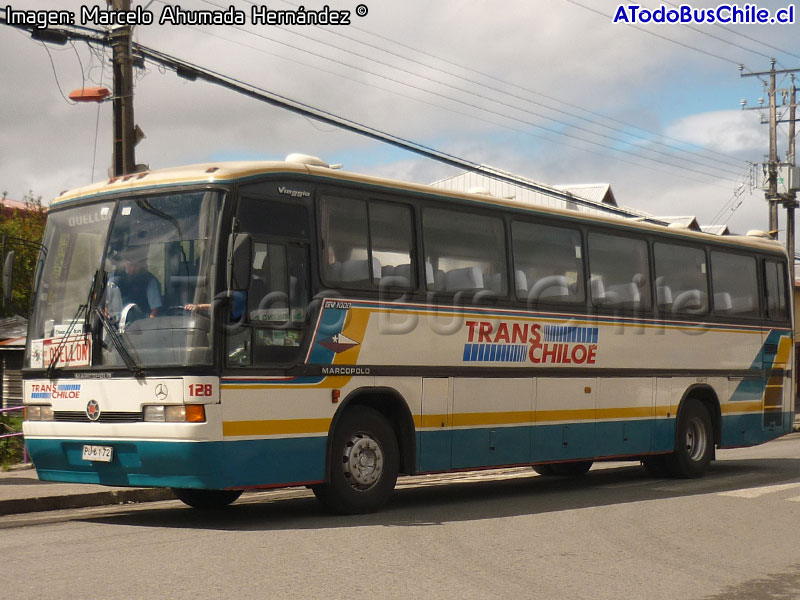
223, 327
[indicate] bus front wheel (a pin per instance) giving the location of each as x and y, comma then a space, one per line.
363, 463
694, 441
206, 499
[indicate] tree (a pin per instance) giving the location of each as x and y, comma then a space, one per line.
21, 231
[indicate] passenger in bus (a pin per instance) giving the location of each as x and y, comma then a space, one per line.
135, 285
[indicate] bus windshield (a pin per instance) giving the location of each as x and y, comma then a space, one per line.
127, 283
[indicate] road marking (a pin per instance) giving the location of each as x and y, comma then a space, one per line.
795, 499
760, 491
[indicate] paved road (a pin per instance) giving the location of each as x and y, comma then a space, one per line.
734, 535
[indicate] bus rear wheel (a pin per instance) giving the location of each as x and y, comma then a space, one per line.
363, 463
206, 499
694, 441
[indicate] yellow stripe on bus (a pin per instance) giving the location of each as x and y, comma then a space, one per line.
275, 427
437, 421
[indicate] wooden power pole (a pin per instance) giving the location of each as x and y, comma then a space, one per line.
124, 161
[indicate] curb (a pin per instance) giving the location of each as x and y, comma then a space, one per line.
45, 503
20, 467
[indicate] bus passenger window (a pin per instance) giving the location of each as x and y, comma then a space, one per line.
776, 290
619, 269
464, 252
367, 244
734, 279
548, 265
345, 232
681, 279
390, 229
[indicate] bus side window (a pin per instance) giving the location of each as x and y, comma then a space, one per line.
367, 244
775, 288
681, 279
619, 269
734, 279
464, 252
548, 265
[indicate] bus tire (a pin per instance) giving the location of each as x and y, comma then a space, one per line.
694, 441
572, 469
206, 499
363, 463
544, 470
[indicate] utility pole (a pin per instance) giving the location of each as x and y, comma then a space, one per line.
124, 161
773, 164
791, 198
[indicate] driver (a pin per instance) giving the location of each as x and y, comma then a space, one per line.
137, 285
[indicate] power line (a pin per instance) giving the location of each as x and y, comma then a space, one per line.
747, 37
737, 163
653, 33
732, 162
503, 115
716, 37
192, 71
450, 110
726, 158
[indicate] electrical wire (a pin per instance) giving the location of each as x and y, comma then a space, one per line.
716, 37
481, 96
745, 36
725, 159
560, 101
451, 110
55, 74
524, 122
653, 33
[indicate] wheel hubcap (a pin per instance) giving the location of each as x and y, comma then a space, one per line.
363, 461
696, 439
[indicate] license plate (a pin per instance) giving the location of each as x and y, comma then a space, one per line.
98, 453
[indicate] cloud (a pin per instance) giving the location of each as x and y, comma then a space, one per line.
729, 131
550, 57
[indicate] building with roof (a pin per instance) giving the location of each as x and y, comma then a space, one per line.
12, 350
599, 194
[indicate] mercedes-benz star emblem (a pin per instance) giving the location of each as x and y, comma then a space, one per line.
161, 392
93, 410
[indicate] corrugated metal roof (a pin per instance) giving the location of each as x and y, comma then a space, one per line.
13, 331
715, 229
596, 192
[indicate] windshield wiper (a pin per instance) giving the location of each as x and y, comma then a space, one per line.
119, 345
51, 368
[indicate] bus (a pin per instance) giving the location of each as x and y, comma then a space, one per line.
225, 327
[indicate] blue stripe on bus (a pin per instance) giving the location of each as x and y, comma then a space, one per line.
211, 465
288, 461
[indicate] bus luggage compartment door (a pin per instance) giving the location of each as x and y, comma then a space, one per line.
565, 418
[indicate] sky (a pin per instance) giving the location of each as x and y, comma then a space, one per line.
553, 90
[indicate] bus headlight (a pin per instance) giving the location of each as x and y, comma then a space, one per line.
175, 413
39, 412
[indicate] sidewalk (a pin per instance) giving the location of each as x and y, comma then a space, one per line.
22, 492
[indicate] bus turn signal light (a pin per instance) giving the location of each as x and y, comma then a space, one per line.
195, 413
